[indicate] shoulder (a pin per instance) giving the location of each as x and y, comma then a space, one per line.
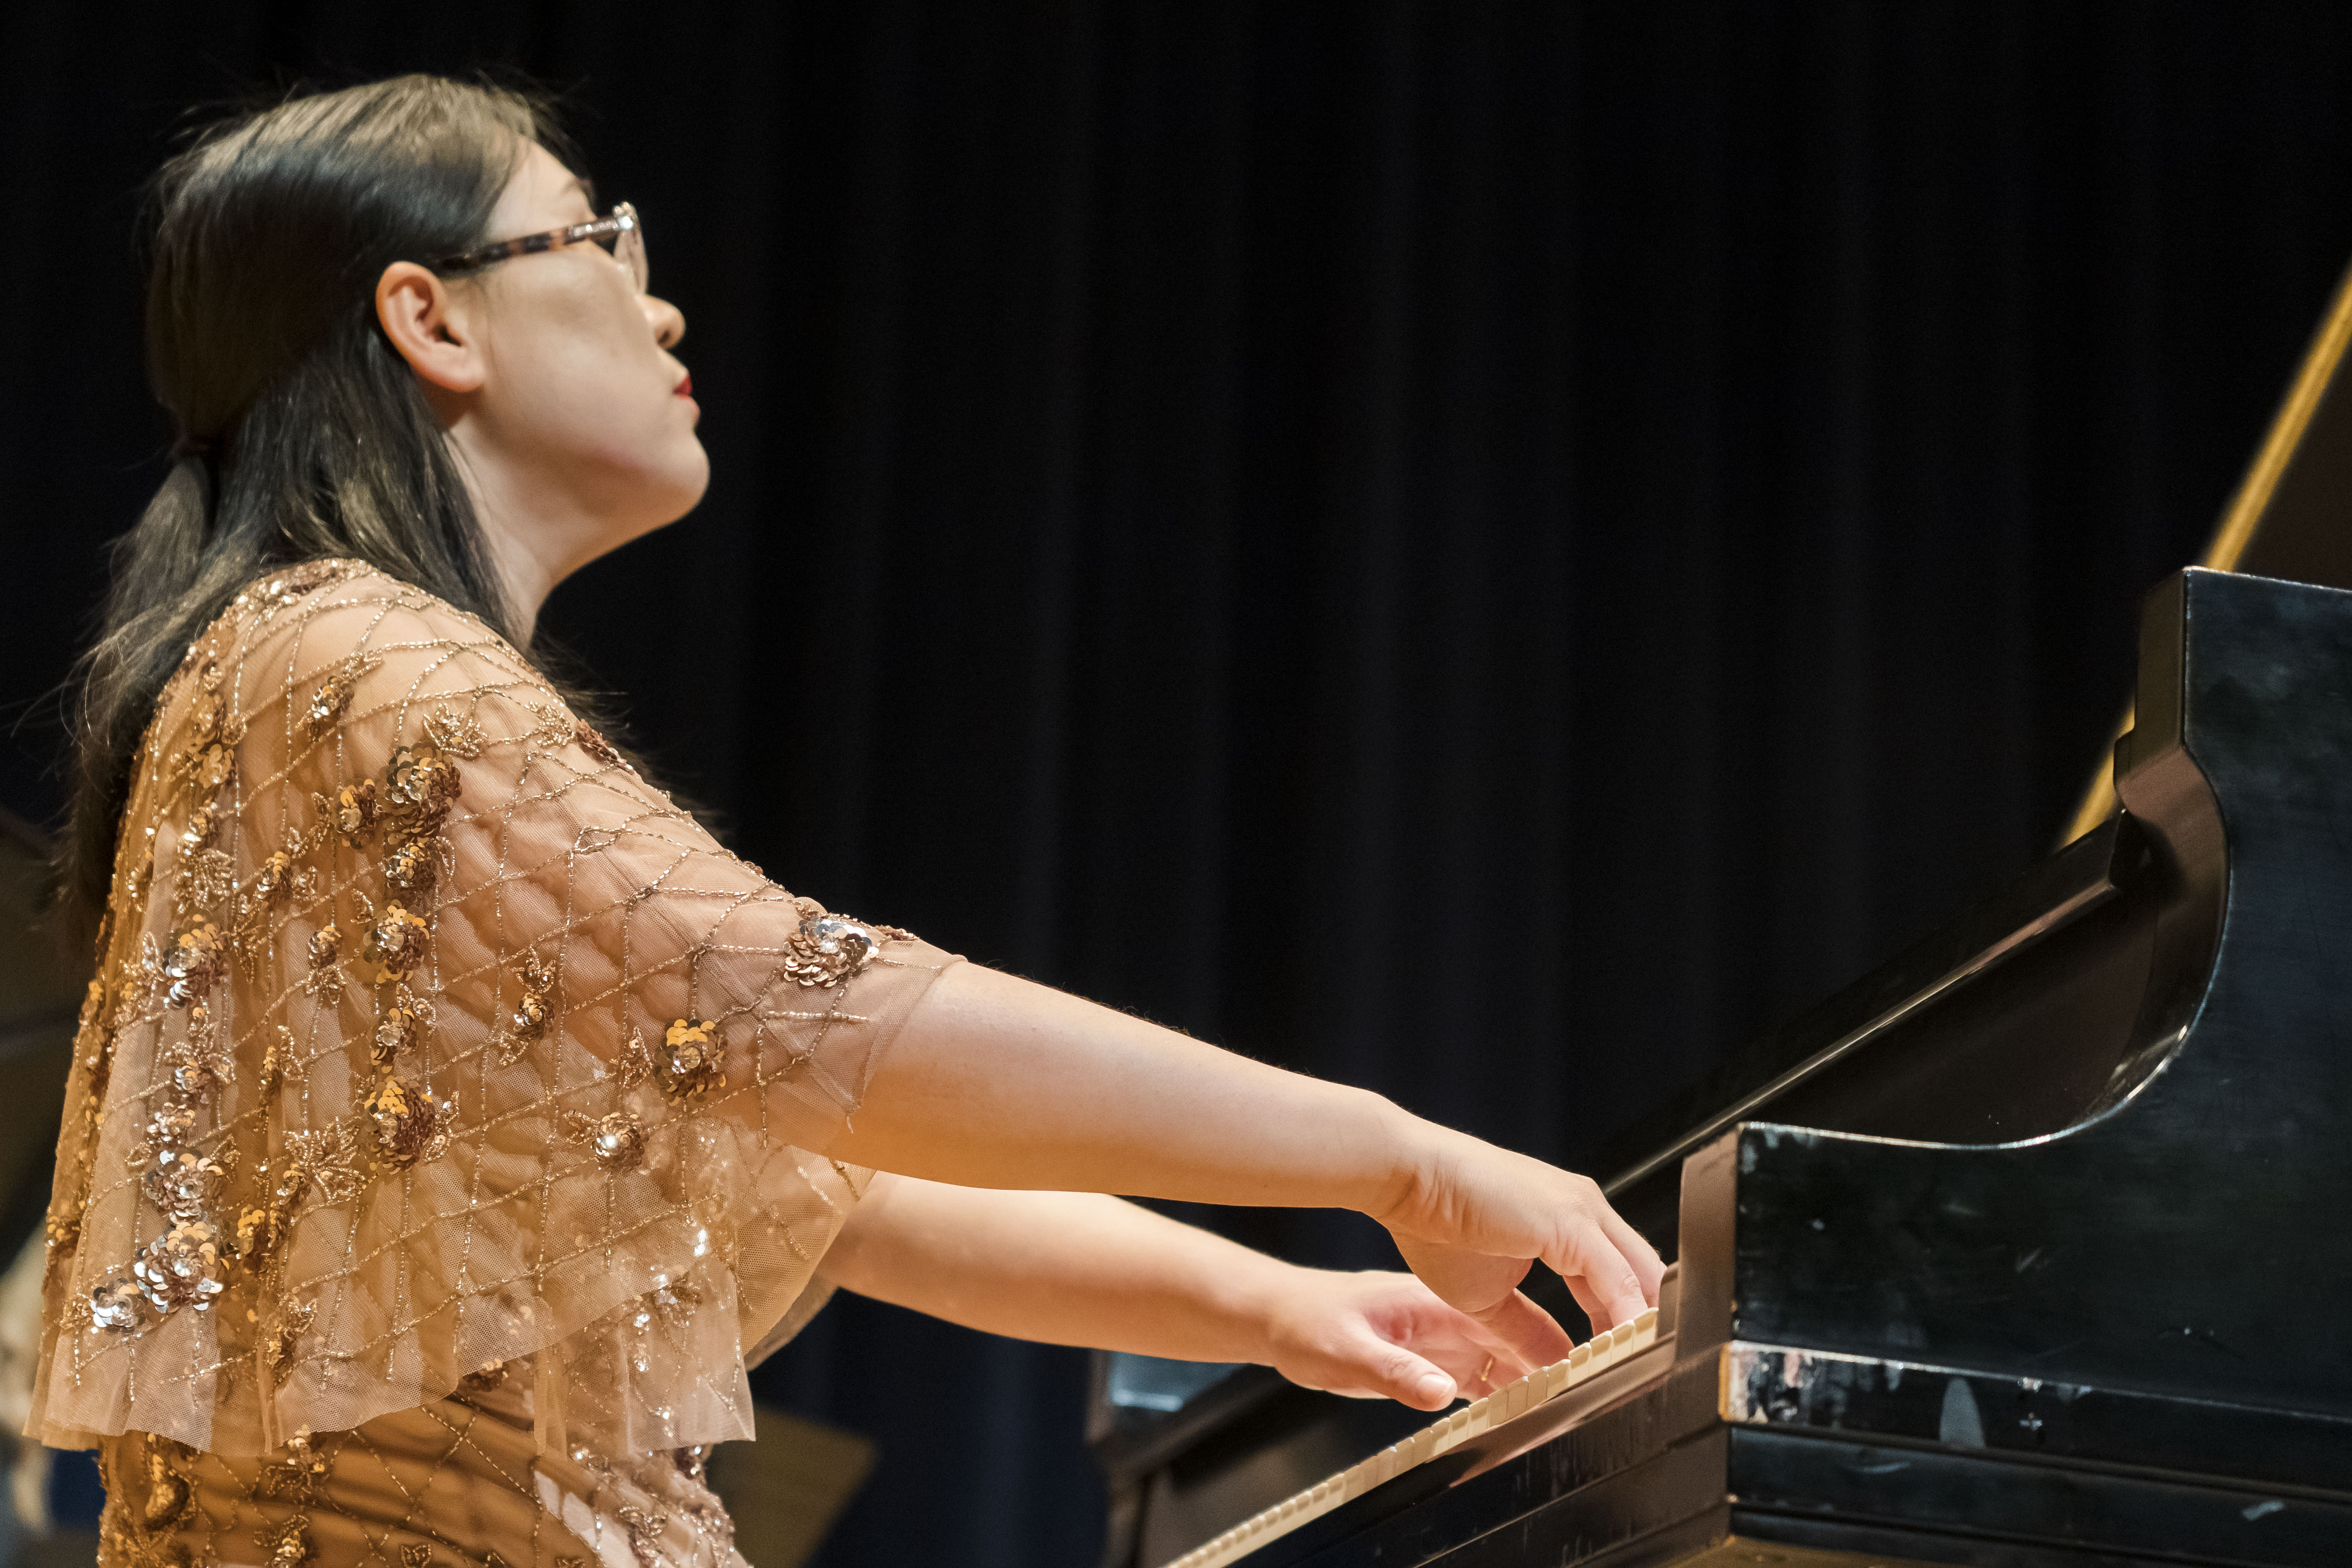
323, 656
336, 640
335, 608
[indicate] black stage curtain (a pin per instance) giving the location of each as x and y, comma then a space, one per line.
1487, 552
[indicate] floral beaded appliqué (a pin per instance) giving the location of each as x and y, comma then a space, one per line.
401, 1121
527, 1022
408, 1123
616, 1139
688, 1067
187, 1265
829, 948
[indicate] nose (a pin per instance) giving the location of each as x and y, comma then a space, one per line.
666, 319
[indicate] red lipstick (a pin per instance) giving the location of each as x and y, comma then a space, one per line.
686, 387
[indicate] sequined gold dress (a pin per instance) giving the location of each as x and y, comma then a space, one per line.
447, 1121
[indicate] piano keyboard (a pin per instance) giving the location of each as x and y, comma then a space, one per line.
1507, 1403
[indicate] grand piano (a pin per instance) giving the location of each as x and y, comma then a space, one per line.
2032, 1247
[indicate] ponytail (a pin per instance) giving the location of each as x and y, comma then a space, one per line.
302, 433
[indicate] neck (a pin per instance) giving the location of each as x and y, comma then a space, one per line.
524, 580
532, 525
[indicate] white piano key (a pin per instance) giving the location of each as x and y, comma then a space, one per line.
1507, 1403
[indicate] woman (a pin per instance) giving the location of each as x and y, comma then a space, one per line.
453, 1119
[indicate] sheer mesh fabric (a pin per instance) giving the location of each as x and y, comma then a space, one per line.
428, 1037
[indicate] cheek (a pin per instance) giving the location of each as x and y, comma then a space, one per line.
579, 390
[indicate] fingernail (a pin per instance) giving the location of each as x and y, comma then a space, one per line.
1435, 1386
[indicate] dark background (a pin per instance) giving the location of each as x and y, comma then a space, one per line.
1487, 552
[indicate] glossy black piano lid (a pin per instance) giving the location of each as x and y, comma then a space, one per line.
2190, 1235
2009, 1023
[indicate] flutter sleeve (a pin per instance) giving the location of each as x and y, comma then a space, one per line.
429, 1038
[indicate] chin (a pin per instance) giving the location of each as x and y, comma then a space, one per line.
671, 490
692, 480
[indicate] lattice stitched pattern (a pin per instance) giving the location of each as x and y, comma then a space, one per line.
428, 1035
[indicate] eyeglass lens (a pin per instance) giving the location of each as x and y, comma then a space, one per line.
629, 250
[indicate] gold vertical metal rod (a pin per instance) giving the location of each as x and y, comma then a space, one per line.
2246, 508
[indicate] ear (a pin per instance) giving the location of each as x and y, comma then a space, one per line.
433, 326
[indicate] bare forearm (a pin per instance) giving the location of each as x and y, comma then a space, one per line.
1075, 1269
996, 1082
999, 1082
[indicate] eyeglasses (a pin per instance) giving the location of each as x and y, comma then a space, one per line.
621, 232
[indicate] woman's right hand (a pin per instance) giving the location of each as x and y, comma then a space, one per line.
1471, 1219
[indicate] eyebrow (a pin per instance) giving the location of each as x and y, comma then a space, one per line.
586, 188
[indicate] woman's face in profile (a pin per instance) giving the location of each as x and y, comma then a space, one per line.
580, 384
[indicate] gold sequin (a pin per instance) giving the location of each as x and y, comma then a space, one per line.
118, 1306
410, 1124
205, 709
200, 1064
192, 964
335, 693
184, 1183
691, 1064
420, 786
182, 1267
272, 884
326, 976
262, 1227
412, 868
829, 948
400, 1028
528, 1020
276, 1063
352, 811
645, 1528
395, 943
289, 1544
201, 831
169, 1126
209, 769
615, 1138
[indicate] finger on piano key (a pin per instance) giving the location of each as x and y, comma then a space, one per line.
1509, 1403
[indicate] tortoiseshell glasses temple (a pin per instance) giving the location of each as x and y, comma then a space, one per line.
621, 232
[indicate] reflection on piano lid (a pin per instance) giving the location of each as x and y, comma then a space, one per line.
2029, 1248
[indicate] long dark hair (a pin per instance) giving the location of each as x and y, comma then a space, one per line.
301, 432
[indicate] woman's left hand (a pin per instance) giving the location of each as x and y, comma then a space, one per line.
1378, 1335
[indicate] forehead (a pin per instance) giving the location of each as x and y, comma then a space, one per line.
541, 194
